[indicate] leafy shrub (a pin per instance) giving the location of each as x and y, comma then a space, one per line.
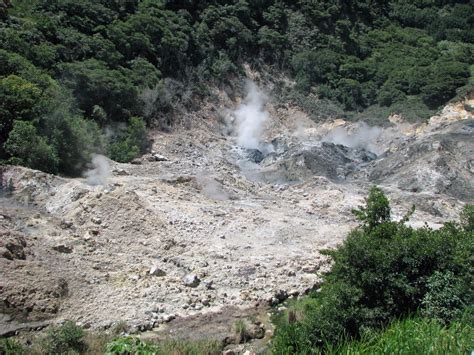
445, 78
467, 218
11, 347
443, 298
74, 139
385, 270
26, 147
19, 100
130, 345
65, 339
93, 83
389, 94
376, 210
133, 345
129, 145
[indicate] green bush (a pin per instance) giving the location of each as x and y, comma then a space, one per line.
19, 100
74, 139
385, 270
376, 211
11, 347
133, 345
93, 83
65, 339
467, 218
26, 147
130, 345
443, 299
130, 144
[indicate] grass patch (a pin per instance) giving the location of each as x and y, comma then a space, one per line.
240, 329
414, 336
133, 345
10, 347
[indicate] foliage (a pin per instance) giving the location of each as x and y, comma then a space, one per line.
443, 299
376, 210
240, 329
11, 347
67, 338
384, 270
19, 100
30, 149
133, 345
130, 345
414, 336
467, 218
348, 59
92, 83
132, 143
74, 139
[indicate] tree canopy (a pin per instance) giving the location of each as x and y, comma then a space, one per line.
102, 57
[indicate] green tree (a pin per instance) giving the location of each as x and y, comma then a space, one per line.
445, 78
74, 139
92, 83
26, 147
19, 100
130, 144
376, 211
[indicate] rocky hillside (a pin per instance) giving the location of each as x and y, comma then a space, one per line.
207, 221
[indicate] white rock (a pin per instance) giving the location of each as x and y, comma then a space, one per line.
191, 280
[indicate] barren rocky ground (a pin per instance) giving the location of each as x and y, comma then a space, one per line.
200, 224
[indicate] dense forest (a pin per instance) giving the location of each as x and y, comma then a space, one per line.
79, 76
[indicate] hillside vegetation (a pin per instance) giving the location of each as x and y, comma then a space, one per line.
386, 272
80, 76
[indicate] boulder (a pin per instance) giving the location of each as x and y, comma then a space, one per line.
156, 271
255, 155
159, 157
12, 247
191, 280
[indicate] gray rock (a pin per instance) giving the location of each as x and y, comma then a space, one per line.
134, 277
120, 172
5, 253
156, 271
159, 157
191, 280
256, 331
65, 224
61, 248
205, 302
255, 155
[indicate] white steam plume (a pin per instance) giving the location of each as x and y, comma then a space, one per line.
363, 136
99, 172
211, 188
250, 117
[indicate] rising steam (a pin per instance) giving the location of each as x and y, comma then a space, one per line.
99, 172
211, 188
250, 117
362, 137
